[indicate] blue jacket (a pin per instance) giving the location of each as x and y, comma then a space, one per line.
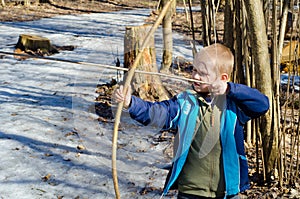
242, 104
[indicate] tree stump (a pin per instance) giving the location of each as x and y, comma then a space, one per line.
147, 87
36, 45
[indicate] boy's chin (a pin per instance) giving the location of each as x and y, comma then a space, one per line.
200, 90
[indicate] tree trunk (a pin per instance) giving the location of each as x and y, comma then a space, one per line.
240, 78
167, 37
26, 3
187, 14
2, 3
275, 73
228, 24
264, 81
147, 87
250, 128
205, 25
192, 28
283, 23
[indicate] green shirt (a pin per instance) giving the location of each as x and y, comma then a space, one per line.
203, 173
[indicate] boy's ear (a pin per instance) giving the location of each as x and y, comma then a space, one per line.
225, 77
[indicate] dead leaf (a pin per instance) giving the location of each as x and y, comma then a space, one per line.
80, 147
77, 155
71, 133
46, 177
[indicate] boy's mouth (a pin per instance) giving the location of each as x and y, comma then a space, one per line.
197, 84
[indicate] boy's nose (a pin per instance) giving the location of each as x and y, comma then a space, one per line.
196, 76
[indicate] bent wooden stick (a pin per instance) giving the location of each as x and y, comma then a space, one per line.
121, 104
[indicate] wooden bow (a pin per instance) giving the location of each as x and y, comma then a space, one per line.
125, 89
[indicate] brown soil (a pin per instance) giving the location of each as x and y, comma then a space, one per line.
16, 11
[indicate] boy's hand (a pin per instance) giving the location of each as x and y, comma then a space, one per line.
218, 87
119, 96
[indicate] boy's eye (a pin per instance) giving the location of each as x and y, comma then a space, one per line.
198, 72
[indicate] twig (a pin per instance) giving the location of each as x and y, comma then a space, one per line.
193, 29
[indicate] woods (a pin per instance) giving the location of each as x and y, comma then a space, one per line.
264, 37
258, 46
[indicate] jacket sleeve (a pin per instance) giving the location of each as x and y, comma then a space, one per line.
249, 100
159, 114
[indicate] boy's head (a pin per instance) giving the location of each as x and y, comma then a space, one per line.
212, 63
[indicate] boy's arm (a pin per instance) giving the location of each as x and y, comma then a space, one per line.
252, 102
153, 113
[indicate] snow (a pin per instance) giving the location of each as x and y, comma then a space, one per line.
47, 112
293, 80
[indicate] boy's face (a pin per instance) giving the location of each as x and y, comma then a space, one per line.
204, 71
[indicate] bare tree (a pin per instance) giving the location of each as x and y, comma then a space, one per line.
206, 25
229, 24
167, 36
260, 54
26, 3
2, 3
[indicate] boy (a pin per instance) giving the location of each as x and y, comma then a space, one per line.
210, 158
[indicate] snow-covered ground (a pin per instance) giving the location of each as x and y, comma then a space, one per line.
51, 144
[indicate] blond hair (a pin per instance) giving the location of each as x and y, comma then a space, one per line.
221, 57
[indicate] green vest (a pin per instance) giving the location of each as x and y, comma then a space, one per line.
203, 173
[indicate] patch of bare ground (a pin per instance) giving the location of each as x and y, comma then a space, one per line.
17, 11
